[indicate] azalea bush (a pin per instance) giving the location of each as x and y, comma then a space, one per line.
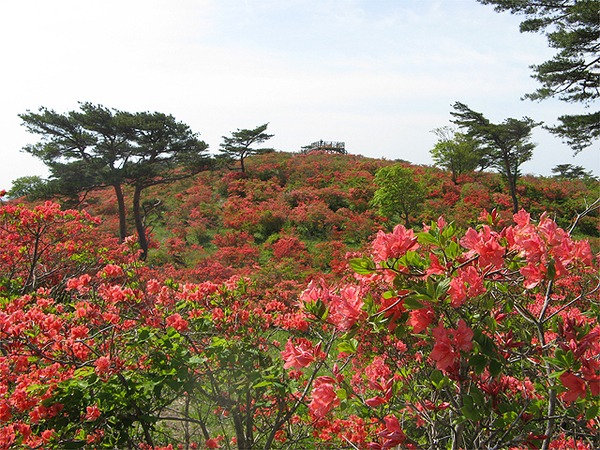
486, 339
125, 358
129, 362
44, 246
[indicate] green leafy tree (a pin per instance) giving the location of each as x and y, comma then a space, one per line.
573, 74
28, 186
163, 151
400, 195
457, 152
571, 172
507, 144
238, 146
97, 147
84, 150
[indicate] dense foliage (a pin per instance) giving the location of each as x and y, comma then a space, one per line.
278, 309
572, 75
97, 148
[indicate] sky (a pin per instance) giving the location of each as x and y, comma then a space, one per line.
379, 75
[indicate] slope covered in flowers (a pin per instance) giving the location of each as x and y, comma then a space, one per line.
291, 216
277, 309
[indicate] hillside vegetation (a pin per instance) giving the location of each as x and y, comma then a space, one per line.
290, 216
284, 307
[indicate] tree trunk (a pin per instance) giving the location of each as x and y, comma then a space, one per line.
122, 212
239, 430
512, 185
139, 224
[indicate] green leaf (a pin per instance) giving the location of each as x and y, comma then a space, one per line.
83, 372
342, 394
468, 401
362, 266
477, 396
196, 359
453, 250
73, 444
436, 376
485, 342
442, 287
388, 294
427, 238
592, 412
262, 384
219, 342
431, 288
469, 409
551, 271
479, 362
495, 367
34, 387
437, 379
490, 322
143, 334
348, 346
412, 303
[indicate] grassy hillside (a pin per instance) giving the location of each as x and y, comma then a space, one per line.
292, 216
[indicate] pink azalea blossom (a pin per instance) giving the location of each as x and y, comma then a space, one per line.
446, 350
177, 322
375, 401
299, 355
463, 337
469, 284
345, 309
393, 433
443, 351
92, 413
112, 270
315, 292
485, 244
324, 398
394, 245
102, 364
533, 275
211, 443
420, 319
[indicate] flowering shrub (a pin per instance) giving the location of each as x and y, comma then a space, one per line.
44, 246
487, 339
127, 360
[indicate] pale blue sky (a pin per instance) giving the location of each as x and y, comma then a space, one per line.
377, 74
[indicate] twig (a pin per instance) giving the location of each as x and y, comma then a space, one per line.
588, 209
511, 426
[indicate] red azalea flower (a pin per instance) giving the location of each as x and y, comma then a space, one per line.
420, 319
484, 244
443, 351
463, 337
211, 443
575, 386
92, 413
345, 309
393, 434
177, 322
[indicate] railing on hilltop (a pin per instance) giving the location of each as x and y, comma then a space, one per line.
327, 146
